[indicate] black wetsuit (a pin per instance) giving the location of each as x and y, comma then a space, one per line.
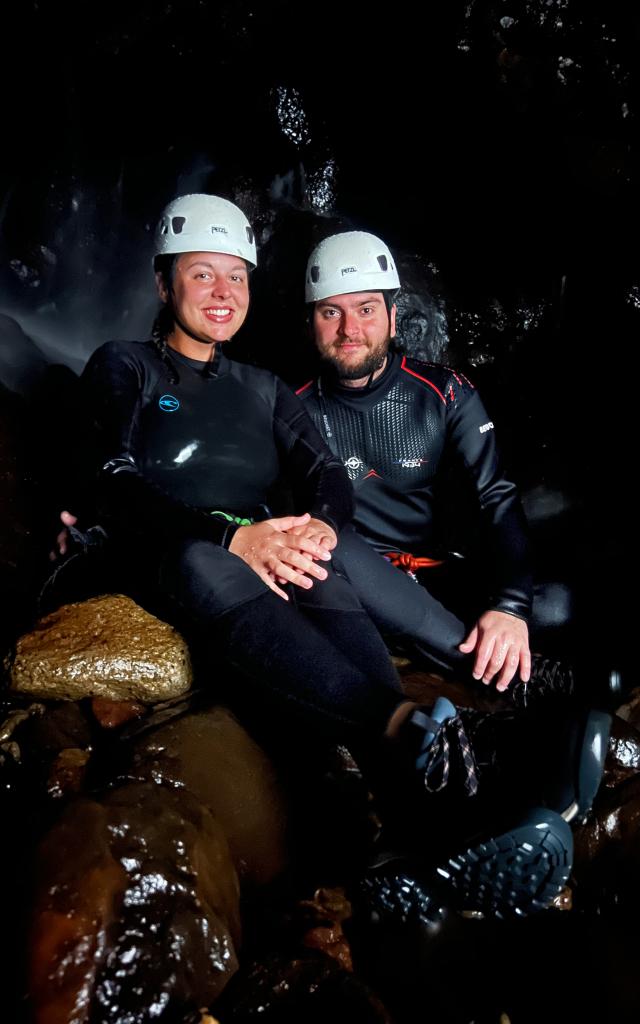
180, 439
399, 438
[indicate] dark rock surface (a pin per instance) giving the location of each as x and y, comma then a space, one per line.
17, 554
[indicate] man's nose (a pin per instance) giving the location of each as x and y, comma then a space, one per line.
349, 325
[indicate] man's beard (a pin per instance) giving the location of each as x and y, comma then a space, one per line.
366, 368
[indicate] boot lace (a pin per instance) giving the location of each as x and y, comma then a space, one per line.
436, 760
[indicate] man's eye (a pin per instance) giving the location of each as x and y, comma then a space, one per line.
367, 309
203, 275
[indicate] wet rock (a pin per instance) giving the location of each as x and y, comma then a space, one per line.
623, 755
68, 772
330, 940
564, 899
310, 988
421, 316
137, 910
607, 850
630, 710
104, 647
211, 755
197, 809
113, 713
79, 888
55, 728
14, 719
322, 918
607, 847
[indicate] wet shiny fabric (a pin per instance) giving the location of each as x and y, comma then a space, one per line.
319, 655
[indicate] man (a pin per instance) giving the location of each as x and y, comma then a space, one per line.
398, 425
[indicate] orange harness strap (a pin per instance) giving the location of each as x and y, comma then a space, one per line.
409, 563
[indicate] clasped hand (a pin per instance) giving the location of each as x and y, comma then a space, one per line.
285, 550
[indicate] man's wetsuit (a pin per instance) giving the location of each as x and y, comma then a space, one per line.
399, 438
180, 439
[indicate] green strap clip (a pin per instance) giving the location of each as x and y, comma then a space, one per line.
238, 520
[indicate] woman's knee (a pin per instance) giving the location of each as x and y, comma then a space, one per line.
201, 574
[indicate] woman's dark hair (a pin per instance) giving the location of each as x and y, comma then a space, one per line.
164, 322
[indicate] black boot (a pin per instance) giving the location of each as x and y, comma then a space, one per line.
527, 775
589, 684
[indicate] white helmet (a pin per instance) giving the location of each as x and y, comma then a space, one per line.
202, 223
353, 261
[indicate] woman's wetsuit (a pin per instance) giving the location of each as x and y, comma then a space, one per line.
181, 439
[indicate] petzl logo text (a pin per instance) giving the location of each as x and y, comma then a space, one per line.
168, 403
349, 270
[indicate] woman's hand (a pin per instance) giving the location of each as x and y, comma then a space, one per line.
277, 555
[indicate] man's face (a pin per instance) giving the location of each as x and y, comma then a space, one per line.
352, 332
210, 293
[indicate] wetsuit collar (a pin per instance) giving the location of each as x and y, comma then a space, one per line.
215, 367
330, 384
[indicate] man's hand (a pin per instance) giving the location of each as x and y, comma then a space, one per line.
278, 556
62, 540
501, 644
318, 532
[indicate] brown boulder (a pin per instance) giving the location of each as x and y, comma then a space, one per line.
215, 759
137, 908
105, 647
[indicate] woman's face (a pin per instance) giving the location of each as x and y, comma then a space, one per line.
210, 293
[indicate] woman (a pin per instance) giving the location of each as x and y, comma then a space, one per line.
194, 450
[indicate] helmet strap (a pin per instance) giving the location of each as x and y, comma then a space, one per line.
390, 295
375, 370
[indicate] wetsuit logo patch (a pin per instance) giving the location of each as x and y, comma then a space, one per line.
168, 403
353, 462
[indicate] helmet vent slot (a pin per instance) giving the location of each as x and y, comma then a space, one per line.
177, 224
384, 263
315, 273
